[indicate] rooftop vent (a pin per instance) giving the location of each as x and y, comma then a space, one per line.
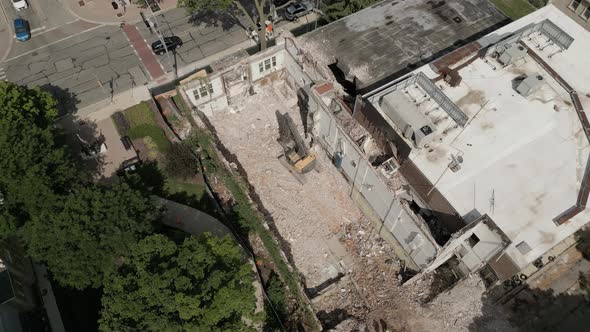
512, 54
530, 85
455, 164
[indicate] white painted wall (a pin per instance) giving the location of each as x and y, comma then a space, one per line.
397, 218
218, 91
255, 73
490, 243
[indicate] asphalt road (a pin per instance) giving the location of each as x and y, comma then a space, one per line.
83, 63
75, 68
42, 15
202, 35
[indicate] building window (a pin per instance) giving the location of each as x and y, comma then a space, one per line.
575, 4
586, 13
473, 240
203, 91
267, 64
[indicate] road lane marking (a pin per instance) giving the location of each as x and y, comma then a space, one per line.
38, 29
55, 42
56, 27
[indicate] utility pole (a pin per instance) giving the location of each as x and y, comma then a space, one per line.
158, 32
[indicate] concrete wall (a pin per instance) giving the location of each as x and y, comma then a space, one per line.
564, 6
491, 242
409, 231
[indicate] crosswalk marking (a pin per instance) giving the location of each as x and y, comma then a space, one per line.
2, 74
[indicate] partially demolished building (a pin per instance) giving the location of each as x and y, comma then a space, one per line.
477, 161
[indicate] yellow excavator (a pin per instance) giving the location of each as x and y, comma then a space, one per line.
298, 157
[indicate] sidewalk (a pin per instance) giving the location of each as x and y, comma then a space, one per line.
241, 46
102, 11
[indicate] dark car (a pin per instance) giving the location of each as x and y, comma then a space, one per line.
21, 29
297, 10
172, 43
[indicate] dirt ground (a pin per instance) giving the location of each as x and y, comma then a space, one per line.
329, 238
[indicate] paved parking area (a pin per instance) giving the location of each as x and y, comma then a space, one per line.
116, 153
108, 162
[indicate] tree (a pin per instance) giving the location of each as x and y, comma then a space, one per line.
340, 9
83, 238
204, 5
21, 103
180, 161
202, 284
33, 168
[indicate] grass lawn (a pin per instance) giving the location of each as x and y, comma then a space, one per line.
515, 9
174, 186
142, 123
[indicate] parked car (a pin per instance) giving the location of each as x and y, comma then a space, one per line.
21, 29
172, 43
19, 4
296, 10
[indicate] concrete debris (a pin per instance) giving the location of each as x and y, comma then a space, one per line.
351, 271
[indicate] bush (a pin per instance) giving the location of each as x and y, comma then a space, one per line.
121, 123
277, 297
180, 161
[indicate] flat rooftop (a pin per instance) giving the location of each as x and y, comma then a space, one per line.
523, 158
393, 37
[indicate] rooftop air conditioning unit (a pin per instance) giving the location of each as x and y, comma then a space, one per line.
530, 85
512, 54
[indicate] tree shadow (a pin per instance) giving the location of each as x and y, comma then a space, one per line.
66, 100
203, 203
226, 19
534, 309
82, 139
147, 178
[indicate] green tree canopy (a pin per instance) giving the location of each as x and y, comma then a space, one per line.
339, 9
21, 103
33, 168
85, 236
202, 284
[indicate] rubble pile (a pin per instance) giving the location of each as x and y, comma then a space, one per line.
352, 273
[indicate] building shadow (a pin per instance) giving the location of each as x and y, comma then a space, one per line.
534, 309
79, 309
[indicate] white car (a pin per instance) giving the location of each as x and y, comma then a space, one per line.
19, 4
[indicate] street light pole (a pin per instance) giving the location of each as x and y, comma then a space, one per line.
158, 32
